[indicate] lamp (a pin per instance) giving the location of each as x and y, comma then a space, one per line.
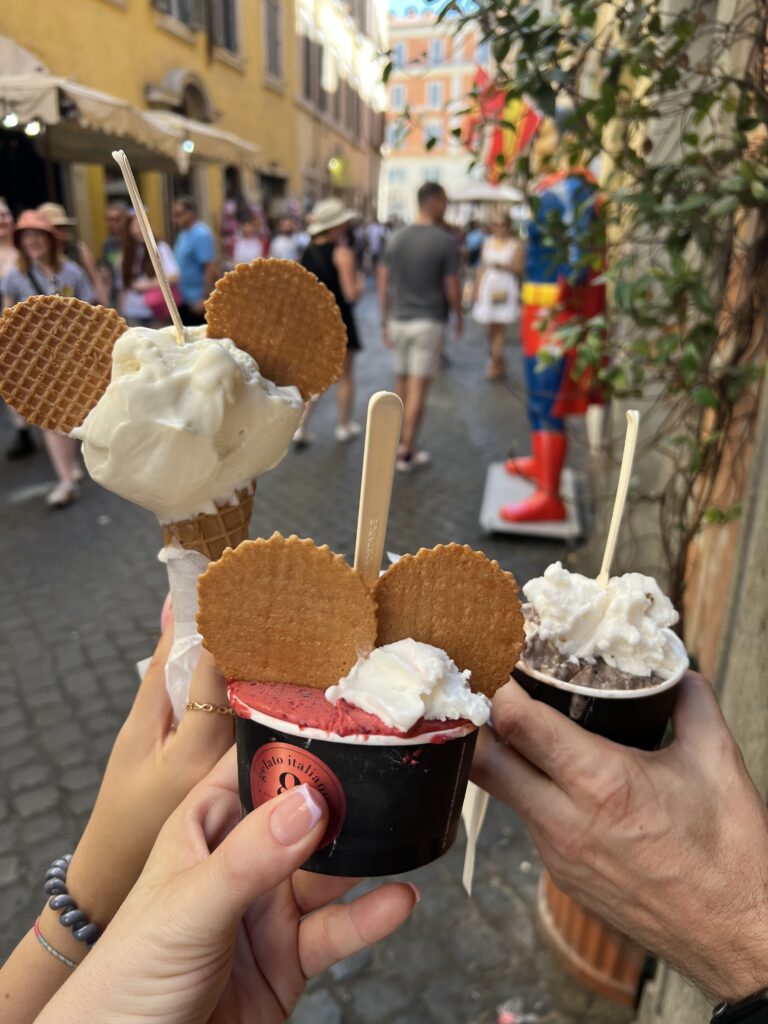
33, 128
11, 119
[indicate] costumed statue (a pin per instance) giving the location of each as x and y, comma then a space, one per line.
559, 287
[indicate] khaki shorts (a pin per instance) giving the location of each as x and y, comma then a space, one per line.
417, 347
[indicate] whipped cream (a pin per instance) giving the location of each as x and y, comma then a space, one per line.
408, 680
627, 624
181, 427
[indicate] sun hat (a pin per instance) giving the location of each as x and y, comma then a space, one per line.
57, 215
33, 220
330, 213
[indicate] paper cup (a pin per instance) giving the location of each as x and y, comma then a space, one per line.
636, 718
394, 804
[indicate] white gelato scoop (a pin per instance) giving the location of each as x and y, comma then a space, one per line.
627, 624
181, 427
408, 680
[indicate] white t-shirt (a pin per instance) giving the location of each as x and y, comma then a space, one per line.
247, 250
284, 247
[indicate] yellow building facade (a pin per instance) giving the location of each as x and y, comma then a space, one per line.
206, 96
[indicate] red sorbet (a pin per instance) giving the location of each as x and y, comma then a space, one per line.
307, 708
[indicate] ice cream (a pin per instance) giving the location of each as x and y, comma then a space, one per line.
618, 637
181, 428
405, 681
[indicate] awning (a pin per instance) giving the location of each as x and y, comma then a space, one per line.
485, 192
210, 143
85, 125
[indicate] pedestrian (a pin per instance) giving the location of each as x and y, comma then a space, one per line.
195, 252
669, 846
42, 269
473, 244
111, 260
286, 244
497, 291
332, 260
23, 443
140, 299
76, 249
419, 286
249, 245
376, 235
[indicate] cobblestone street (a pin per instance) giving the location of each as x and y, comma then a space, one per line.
79, 605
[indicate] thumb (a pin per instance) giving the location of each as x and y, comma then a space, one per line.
261, 851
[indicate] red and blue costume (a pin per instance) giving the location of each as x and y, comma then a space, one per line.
558, 287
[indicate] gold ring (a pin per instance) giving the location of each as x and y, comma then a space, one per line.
217, 709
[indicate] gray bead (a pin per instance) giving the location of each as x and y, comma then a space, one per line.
54, 872
88, 933
67, 857
55, 887
60, 862
62, 902
73, 918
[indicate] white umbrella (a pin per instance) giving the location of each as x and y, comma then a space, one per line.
485, 192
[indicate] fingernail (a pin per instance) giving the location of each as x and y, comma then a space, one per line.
416, 892
295, 816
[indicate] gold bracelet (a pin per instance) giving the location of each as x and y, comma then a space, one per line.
217, 709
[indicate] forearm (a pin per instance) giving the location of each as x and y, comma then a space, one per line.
453, 294
31, 975
382, 286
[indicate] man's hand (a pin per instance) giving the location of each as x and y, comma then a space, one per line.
458, 325
670, 847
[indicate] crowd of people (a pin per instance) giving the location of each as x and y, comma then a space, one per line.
426, 272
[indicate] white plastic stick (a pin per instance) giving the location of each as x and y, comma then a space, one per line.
149, 240
382, 434
625, 474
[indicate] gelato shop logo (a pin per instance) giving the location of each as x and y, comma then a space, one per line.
278, 767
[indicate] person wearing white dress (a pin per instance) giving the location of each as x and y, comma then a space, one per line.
497, 292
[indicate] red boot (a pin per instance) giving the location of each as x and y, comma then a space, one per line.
525, 465
544, 505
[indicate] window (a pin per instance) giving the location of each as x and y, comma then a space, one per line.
399, 58
224, 27
396, 176
433, 130
483, 53
434, 95
432, 174
189, 12
436, 51
395, 134
397, 96
321, 93
273, 39
336, 106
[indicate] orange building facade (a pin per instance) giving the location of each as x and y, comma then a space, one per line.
429, 92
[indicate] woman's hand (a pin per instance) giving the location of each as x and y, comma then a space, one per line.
221, 926
152, 767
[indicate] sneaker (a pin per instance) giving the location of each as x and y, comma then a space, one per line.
78, 473
347, 431
301, 438
63, 493
22, 447
409, 461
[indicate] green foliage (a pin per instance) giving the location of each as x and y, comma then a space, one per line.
669, 102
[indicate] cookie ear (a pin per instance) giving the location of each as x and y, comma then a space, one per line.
56, 358
457, 599
285, 611
285, 318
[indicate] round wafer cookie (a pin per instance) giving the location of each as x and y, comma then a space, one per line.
56, 358
285, 318
285, 611
457, 599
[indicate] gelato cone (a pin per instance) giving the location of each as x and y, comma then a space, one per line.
212, 533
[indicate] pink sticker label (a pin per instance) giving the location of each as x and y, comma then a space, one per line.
277, 767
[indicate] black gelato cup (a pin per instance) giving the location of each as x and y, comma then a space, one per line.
394, 804
636, 718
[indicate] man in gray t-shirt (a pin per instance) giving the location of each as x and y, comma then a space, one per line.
418, 285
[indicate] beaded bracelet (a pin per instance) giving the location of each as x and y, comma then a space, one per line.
70, 916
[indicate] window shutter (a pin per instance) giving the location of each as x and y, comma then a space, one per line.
197, 14
164, 6
218, 26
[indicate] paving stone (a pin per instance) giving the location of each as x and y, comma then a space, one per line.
44, 826
28, 776
10, 870
376, 999
82, 802
8, 837
351, 965
317, 1008
35, 800
80, 778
